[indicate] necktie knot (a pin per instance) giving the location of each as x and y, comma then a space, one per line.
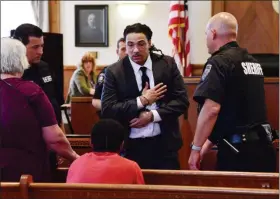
143, 69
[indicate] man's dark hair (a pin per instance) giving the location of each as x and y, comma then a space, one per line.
24, 31
107, 135
138, 28
119, 41
142, 28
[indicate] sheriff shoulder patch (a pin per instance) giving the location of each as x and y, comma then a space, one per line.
101, 78
206, 71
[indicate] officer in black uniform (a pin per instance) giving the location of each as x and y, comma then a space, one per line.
231, 100
96, 101
39, 72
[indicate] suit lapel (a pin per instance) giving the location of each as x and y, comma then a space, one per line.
130, 78
157, 69
158, 72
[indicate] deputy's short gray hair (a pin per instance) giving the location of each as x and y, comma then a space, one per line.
13, 56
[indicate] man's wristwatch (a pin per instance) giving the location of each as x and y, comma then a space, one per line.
195, 148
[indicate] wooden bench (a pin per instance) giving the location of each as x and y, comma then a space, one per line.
201, 178
27, 189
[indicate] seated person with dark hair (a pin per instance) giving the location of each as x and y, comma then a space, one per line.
104, 164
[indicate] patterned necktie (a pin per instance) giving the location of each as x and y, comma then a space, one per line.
145, 78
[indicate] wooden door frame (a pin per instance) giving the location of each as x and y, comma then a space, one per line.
54, 16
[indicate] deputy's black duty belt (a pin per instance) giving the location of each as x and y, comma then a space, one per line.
259, 132
250, 136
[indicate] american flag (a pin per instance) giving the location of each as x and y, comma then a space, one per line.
178, 30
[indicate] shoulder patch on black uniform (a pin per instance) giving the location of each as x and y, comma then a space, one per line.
206, 71
101, 78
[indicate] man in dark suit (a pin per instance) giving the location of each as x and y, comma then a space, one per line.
146, 93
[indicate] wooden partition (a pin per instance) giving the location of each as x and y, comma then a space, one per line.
83, 115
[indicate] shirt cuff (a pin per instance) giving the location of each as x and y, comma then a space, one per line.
139, 103
157, 118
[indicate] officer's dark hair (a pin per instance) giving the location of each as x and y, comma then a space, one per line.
138, 28
107, 135
24, 31
119, 41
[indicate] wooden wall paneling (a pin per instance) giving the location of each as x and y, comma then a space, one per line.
54, 16
258, 25
217, 6
258, 29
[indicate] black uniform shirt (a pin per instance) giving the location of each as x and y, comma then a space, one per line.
41, 75
234, 79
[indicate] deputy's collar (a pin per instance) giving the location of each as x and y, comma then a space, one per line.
231, 44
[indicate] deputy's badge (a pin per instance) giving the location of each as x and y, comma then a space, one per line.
47, 79
101, 78
206, 71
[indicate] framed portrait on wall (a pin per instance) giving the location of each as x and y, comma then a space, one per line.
91, 26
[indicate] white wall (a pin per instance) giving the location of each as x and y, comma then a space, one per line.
155, 16
15, 13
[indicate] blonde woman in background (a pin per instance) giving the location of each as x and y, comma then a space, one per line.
83, 79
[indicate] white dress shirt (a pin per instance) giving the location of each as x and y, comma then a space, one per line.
152, 129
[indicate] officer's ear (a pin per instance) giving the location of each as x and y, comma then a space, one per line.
214, 34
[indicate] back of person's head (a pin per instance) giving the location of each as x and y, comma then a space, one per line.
24, 31
220, 29
13, 57
107, 135
138, 28
119, 41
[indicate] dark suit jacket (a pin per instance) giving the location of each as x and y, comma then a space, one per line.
121, 90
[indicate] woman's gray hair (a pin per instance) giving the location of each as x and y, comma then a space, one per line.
13, 56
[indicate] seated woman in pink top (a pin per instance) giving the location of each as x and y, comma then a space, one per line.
104, 164
28, 127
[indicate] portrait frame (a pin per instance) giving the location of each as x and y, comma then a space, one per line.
91, 26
